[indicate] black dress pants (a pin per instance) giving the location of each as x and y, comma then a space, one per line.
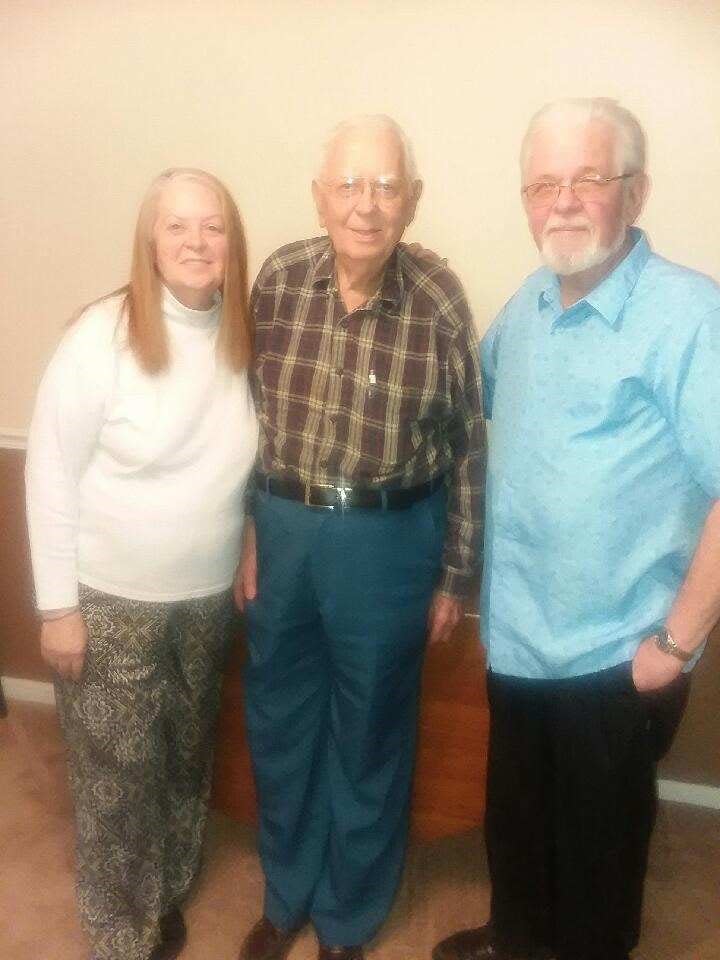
571, 806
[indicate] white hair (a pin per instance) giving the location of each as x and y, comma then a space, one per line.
378, 122
630, 136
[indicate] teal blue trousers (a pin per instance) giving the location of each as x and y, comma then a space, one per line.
336, 639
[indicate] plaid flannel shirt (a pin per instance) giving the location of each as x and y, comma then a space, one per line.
385, 396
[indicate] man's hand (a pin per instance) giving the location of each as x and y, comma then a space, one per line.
63, 643
245, 584
653, 669
444, 615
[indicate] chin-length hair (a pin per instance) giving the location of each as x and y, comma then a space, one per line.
147, 334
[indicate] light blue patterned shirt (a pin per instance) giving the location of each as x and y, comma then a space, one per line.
604, 462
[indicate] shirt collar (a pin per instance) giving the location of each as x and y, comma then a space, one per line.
324, 270
391, 287
173, 309
608, 298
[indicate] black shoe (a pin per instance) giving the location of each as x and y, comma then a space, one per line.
173, 935
479, 944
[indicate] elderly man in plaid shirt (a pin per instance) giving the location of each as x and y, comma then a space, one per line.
367, 505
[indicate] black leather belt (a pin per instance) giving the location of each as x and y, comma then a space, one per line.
332, 497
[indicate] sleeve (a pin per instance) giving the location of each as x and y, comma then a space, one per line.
467, 478
68, 415
488, 359
256, 315
688, 392
258, 312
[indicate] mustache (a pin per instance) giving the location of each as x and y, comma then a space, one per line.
557, 224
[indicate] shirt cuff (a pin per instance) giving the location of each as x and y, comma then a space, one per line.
62, 596
459, 586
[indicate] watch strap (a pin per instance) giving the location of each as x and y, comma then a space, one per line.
664, 641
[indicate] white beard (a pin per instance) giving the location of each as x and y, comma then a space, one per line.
590, 255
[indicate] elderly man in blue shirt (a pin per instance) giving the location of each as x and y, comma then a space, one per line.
602, 550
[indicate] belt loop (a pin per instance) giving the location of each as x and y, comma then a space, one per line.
383, 498
306, 500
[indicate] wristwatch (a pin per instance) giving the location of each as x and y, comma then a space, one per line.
665, 642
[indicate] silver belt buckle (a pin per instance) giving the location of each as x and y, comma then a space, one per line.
324, 486
342, 493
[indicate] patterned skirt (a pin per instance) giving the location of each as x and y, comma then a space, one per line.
140, 728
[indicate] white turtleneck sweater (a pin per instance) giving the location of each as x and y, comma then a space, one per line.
134, 482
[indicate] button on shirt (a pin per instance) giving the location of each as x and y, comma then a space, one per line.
387, 395
604, 462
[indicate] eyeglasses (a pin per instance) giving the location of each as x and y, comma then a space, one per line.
382, 189
545, 193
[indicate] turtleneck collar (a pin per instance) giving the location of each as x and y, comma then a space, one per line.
174, 310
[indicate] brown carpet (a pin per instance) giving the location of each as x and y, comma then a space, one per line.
445, 884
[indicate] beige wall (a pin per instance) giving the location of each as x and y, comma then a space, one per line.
98, 96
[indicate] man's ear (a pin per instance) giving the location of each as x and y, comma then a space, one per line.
415, 194
319, 202
637, 192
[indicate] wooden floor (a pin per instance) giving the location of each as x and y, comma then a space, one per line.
445, 884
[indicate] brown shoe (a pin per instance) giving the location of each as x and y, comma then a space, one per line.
267, 942
340, 953
479, 944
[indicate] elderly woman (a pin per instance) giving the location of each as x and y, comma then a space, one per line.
142, 440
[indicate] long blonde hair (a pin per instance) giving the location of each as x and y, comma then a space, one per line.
147, 335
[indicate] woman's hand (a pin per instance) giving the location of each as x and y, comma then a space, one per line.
63, 642
245, 585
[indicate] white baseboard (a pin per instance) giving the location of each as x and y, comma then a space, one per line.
697, 794
31, 691
13, 439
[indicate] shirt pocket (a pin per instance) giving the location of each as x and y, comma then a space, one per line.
396, 419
